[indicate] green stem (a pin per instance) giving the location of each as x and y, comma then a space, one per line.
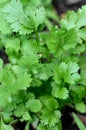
37, 36
13, 122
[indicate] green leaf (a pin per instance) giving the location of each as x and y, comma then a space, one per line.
37, 16
27, 126
70, 39
83, 70
79, 90
52, 40
54, 128
29, 60
1, 63
75, 20
41, 127
4, 26
73, 75
59, 72
50, 114
6, 116
47, 2
3, 126
29, 56
12, 45
79, 123
61, 93
24, 22
82, 33
23, 81
22, 113
66, 72
81, 17
81, 107
45, 72
73, 67
70, 20
6, 77
34, 102
51, 103
35, 3
26, 117
6, 99
49, 117
15, 15
78, 49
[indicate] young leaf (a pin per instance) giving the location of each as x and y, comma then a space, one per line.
81, 17
61, 93
23, 82
6, 77
82, 33
12, 45
44, 72
22, 21
51, 103
1, 63
81, 107
83, 70
37, 16
3, 126
4, 26
70, 39
34, 102
49, 117
15, 15
41, 127
22, 113
75, 20
6, 99
54, 128
67, 72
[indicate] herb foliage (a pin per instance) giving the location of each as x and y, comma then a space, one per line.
46, 70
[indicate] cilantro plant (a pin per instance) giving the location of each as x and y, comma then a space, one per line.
45, 70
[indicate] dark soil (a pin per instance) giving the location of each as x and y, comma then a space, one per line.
67, 119
62, 7
4, 56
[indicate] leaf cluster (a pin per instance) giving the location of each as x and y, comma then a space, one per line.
45, 70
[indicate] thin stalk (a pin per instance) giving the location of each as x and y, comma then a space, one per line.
37, 36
